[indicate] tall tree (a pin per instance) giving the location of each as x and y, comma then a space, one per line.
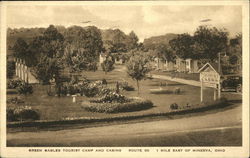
83, 48
209, 41
20, 48
132, 41
53, 45
47, 69
183, 45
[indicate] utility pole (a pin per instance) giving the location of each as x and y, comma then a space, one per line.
219, 65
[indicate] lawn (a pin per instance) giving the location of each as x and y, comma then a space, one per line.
187, 76
56, 108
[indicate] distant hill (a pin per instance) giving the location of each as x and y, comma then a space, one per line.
155, 40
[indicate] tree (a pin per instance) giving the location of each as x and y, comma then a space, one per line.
108, 64
183, 46
47, 69
83, 46
138, 67
20, 48
53, 42
132, 41
209, 41
163, 52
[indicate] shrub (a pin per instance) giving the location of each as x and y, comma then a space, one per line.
22, 113
25, 88
11, 84
134, 104
174, 106
10, 115
104, 81
104, 91
125, 86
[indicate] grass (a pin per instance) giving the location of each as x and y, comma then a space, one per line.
187, 76
57, 108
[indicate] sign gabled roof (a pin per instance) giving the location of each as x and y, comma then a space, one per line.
214, 67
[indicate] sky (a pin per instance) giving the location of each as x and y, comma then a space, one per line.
144, 20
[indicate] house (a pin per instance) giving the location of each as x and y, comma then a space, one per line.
186, 65
169, 66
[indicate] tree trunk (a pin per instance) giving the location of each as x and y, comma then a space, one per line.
138, 90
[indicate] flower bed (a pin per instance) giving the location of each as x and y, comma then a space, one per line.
129, 105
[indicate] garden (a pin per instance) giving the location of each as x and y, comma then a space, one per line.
108, 104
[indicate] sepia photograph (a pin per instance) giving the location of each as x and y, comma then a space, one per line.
117, 76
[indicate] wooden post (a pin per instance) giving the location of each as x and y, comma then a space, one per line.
201, 91
215, 94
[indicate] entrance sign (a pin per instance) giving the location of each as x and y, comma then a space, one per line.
210, 77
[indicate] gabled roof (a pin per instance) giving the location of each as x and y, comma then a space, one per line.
214, 66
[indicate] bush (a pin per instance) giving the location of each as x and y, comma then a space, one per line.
22, 113
125, 86
174, 106
11, 84
134, 104
25, 88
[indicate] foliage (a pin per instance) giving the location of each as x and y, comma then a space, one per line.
174, 106
22, 113
83, 46
132, 41
209, 41
134, 104
183, 45
10, 69
111, 97
20, 48
11, 84
138, 67
24, 88
47, 69
233, 59
49, 44
108, 64
125, 86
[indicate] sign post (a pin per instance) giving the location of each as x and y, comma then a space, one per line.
201, 91
209, 77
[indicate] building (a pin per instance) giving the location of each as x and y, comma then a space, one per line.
186, 65
23, 72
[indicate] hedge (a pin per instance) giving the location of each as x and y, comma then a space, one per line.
134, 104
